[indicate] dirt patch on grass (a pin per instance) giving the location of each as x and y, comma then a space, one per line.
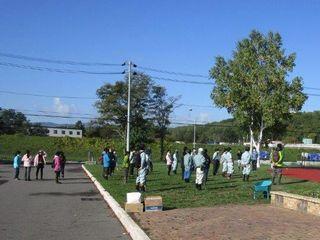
229, 222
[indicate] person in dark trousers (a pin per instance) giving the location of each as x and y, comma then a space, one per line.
56, 164
105, 163
112, 161
16, 164
254, 159
27, 163
184, 152
277, 163
169, 161
63, 163
206, 166
132, 163
239, 155
39, 162
125, 166
137, 160
216, 161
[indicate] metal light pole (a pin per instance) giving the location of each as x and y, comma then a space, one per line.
128, 108
194, 131
194, 134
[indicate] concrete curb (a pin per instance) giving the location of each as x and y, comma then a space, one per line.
132, 228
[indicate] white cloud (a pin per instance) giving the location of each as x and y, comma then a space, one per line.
204, 117
61, 107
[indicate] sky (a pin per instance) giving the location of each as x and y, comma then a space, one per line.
174, 35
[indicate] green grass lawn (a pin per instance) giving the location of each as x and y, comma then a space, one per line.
219, 190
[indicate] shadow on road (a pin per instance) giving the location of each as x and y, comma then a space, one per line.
58, 194
3, 181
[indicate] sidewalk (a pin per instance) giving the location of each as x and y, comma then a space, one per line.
45, 210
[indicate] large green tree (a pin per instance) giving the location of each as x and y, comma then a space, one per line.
112, 106
254, 87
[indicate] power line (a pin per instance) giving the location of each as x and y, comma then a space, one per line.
173, 73
46, 60
58, 116
182, 81
47, 96
54, 112
312, 88
58, 70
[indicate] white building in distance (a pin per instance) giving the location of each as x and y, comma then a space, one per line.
64, 132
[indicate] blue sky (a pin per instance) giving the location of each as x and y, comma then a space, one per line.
183, 36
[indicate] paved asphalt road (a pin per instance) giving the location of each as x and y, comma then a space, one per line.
46, 210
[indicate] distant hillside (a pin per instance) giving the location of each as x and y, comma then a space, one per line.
302, 125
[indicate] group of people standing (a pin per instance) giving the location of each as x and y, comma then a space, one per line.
135, 163
38, 161
138, 163
108, 161
199, 161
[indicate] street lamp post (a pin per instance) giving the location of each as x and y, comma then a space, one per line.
194, 131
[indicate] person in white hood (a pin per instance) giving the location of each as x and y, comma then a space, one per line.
199, 161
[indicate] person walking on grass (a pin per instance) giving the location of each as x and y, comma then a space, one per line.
175, 162
254, 159
169, 162
16, 164
239, 155
39, 163
27, 163
227, 163
277, 161
246, 164
56, 164
105, 163
223, 161
132, 163
125, 166
216, 161
112, 161
184, 152
149, 161
187, 160
199, 161
142, 173
206, 166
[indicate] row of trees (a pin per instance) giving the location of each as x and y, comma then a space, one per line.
12, 122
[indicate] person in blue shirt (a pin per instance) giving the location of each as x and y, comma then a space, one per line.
16, 164
106, 163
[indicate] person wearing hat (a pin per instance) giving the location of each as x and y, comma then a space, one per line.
246, 164
39, 162
227, 163
142, 172
187, 162
175, 162
199, 161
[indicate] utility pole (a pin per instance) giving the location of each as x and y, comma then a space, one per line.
128, 108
